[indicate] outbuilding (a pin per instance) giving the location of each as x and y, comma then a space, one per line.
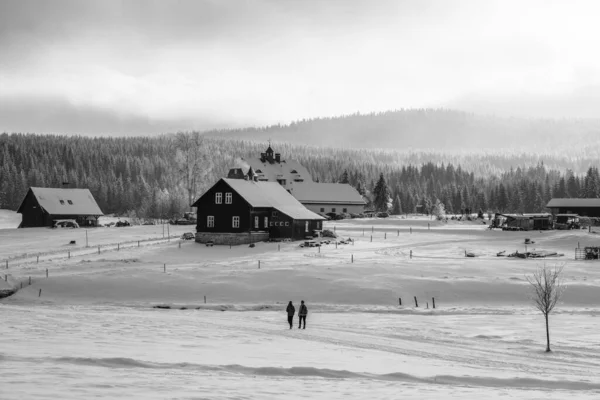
238, 211
44, 206
339, 198
581, 207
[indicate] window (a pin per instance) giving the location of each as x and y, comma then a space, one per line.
70, 202
218, 198
258, 171
266, 222
228, 198
235, 222
322, 209
210, 221
333, 209
256, 224
345, 210
271, 223
318, 225
306, 226
287, 223
62, 202
274, 214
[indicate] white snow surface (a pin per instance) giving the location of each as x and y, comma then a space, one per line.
94, 331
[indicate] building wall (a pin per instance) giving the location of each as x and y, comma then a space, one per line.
32, 214
223, 213
221, 238
582, 211
339, 208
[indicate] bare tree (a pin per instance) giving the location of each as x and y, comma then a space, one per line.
190, 161
547, 288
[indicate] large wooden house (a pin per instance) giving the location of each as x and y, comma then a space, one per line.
236, 211
44, 206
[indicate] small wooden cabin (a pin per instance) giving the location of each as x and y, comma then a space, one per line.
236, 211
522, 222
42, 206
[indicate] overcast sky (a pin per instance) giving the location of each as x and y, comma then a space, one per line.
135, 67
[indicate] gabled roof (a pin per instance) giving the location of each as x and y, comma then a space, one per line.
282, 170
65, 201
338, 193
562, 202
269, 195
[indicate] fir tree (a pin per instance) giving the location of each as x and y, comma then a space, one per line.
381, 195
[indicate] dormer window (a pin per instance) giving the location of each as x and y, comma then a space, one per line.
258, 171
62, 202
293, 171
70, 202
218, 198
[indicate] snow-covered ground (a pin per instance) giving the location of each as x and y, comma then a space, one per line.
9, 219
93, 332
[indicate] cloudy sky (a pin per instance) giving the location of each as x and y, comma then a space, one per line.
144, 66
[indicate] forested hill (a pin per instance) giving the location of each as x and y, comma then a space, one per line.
436, 129
162, 176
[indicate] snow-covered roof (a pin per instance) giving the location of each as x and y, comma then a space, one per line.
334, 193
290, 170
562, 202
271, 194
66, 201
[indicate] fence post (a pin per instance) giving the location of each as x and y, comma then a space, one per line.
180, 244
40, 294
86, 238
399, 301
398, 232
352, 258
334, 228
204, 299
5, 278
118, 246
385, 235
371, 238
6, 264
433, 301
168, 233
29, 281
372, 229
138, 243
363, 231
278, 247
428, 226
416, 302
427, 303
46, 272
411, 254
38, 259
98, 249
410, 230
336, 244
258, 264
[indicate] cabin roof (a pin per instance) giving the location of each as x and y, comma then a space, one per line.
312, 192
56, 201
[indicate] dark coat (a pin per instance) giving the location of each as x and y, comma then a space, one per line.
303, 310
291, 310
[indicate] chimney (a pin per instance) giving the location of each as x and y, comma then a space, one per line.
278, 157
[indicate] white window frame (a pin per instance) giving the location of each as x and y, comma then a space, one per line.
228, 198
345, 210
306, 226
210, 221
266, 222
235, 221
218, 198
256, 222
332, 209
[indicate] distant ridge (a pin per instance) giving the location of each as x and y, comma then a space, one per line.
439, 129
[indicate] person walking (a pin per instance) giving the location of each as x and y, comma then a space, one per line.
302, 314
291, 310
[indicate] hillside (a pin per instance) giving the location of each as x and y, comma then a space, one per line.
435, 129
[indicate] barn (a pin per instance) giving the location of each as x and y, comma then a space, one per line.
43, 206
329, 197
238, 211
581, 207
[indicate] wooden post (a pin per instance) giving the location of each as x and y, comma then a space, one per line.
38, 259
40, 294
318, 249
336, 244
6, 264
5, 278
352, 258
98, 249
363, 231
118, 246
433, 301
428, 227
46, 272
411, 254
427, 304
334, 228
21, 285
138, 243
371, 238
86, 238
416, 302
410, 230
168, 233
577, 246
204, 299
180, 244
385, 235
399, 301
278, 247
163, 226
29, 281
398, 232
372, 229
258, 264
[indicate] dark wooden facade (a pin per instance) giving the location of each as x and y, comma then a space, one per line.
251, 219
34, 215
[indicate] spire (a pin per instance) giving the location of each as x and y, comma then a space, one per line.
251, 174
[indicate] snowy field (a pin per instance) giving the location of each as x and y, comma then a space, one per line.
94, 331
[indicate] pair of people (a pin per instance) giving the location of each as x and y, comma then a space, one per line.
302, 313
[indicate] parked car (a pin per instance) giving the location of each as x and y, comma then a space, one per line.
188, 236
310, 243
122, 223
382, 215
65, 223
334, 216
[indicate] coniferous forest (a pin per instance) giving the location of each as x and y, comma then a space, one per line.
161, 176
